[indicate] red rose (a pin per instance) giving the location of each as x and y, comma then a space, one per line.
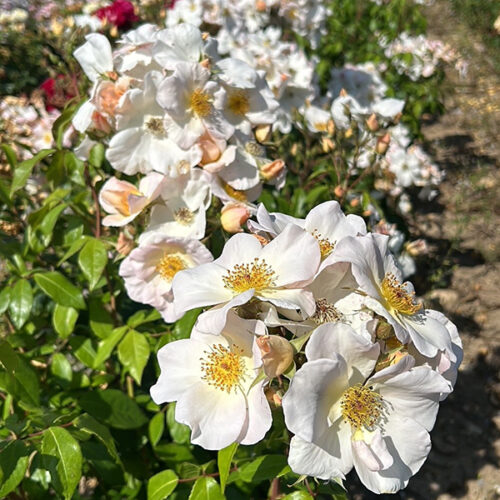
120, 13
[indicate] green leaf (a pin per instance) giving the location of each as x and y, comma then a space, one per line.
64, 320
162, 484
62, 457
264, 468
183, 327
114, 408
45, 230
143, 316
22, 379
61, 124
156, 428
92, 260
101, 322
224, 459
74, 248
13, 465
180, 433
206, 488
24, 169
59, 289
96, 155
5, 299
83, 349
61, 369
133, 352
10, 154
298, 495
21, 301
107, 345
90, 425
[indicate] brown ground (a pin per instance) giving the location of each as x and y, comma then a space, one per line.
461, 277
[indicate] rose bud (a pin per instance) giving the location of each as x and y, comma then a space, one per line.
233, 216
277, 354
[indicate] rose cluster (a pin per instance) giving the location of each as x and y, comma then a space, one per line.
376, 364
172, 109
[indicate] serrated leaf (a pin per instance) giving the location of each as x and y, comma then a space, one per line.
206, 488
62, 457
92, 260
162, 484
14, 460
60, 290
114, 408
90, 425
224, 459
106, 346
133, 352
64, 320
156, 428
23, 170
22, 379
21, 301
264, 468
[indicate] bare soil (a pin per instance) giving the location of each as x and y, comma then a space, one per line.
461, 274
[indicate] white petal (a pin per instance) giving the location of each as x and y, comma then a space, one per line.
259, 416
95, 56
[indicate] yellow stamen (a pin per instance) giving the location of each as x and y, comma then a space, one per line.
200, 103
361, 407
170, 265
397, 296
223, 368
234, 193
325, 245
184, 216
257, 275
326, 312
238, 103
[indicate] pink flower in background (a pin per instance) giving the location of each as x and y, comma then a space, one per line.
120, 13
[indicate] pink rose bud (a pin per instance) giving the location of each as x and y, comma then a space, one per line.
277, 354
272, 170
233, 216
210, 152
383, 143
372, 123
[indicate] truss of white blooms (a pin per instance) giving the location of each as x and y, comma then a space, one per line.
377, 362
190, 114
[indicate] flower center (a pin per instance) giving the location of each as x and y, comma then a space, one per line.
325, 245
397, 296
170, 265
361, 407
321, 126
154, 124
200, 103
238, 103
326, 312
234, 193
257, 275
223, 368
184, 216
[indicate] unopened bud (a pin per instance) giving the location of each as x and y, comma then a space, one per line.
294, 148
260, 6
331, 127
271, 170
354, 202
262, 133
348, 133
372, 123
417, 247
210, 152
343, 93
233, 216
339, 191
327, 145
277, 354
383, 144
124, 245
